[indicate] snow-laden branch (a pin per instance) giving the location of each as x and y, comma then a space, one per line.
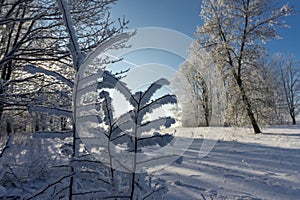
51, 111
147, 95
156, 124
107, 108
34, 70
48, 186
73, 45
156, 139
111, 82
157, 103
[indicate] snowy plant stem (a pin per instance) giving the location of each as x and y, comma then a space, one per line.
135, 151
74, 138
109, 143
111, 165
78, 58
110, 159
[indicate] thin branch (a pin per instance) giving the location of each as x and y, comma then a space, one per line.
49, 186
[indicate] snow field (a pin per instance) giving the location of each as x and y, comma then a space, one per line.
241, 165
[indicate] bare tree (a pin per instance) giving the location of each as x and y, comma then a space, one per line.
234, 31
287, 73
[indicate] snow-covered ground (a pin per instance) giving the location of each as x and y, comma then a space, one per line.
221, 163
237, 164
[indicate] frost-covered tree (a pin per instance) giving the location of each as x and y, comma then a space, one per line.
234, 32
260, 91
33, 33
191, 87
266, 96
23, 40
286, 72
78, 56
52, 28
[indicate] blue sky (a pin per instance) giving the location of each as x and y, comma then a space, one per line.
183, 16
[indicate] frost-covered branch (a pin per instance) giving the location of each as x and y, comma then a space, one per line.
156, 124
51, 111
73, 45
41, 191
147, 95
34, 70
156, 139
111, 82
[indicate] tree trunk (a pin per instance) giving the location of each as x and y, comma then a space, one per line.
248, 107
1, 103
206, 120
8, 128
294, 120
205, 102
206, 114
5, 76
251, 116
1, 109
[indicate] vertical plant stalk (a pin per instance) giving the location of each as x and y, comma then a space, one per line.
78, 58
109, 112
135, 150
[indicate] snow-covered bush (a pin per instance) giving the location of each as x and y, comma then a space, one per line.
28, 164
119, 144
